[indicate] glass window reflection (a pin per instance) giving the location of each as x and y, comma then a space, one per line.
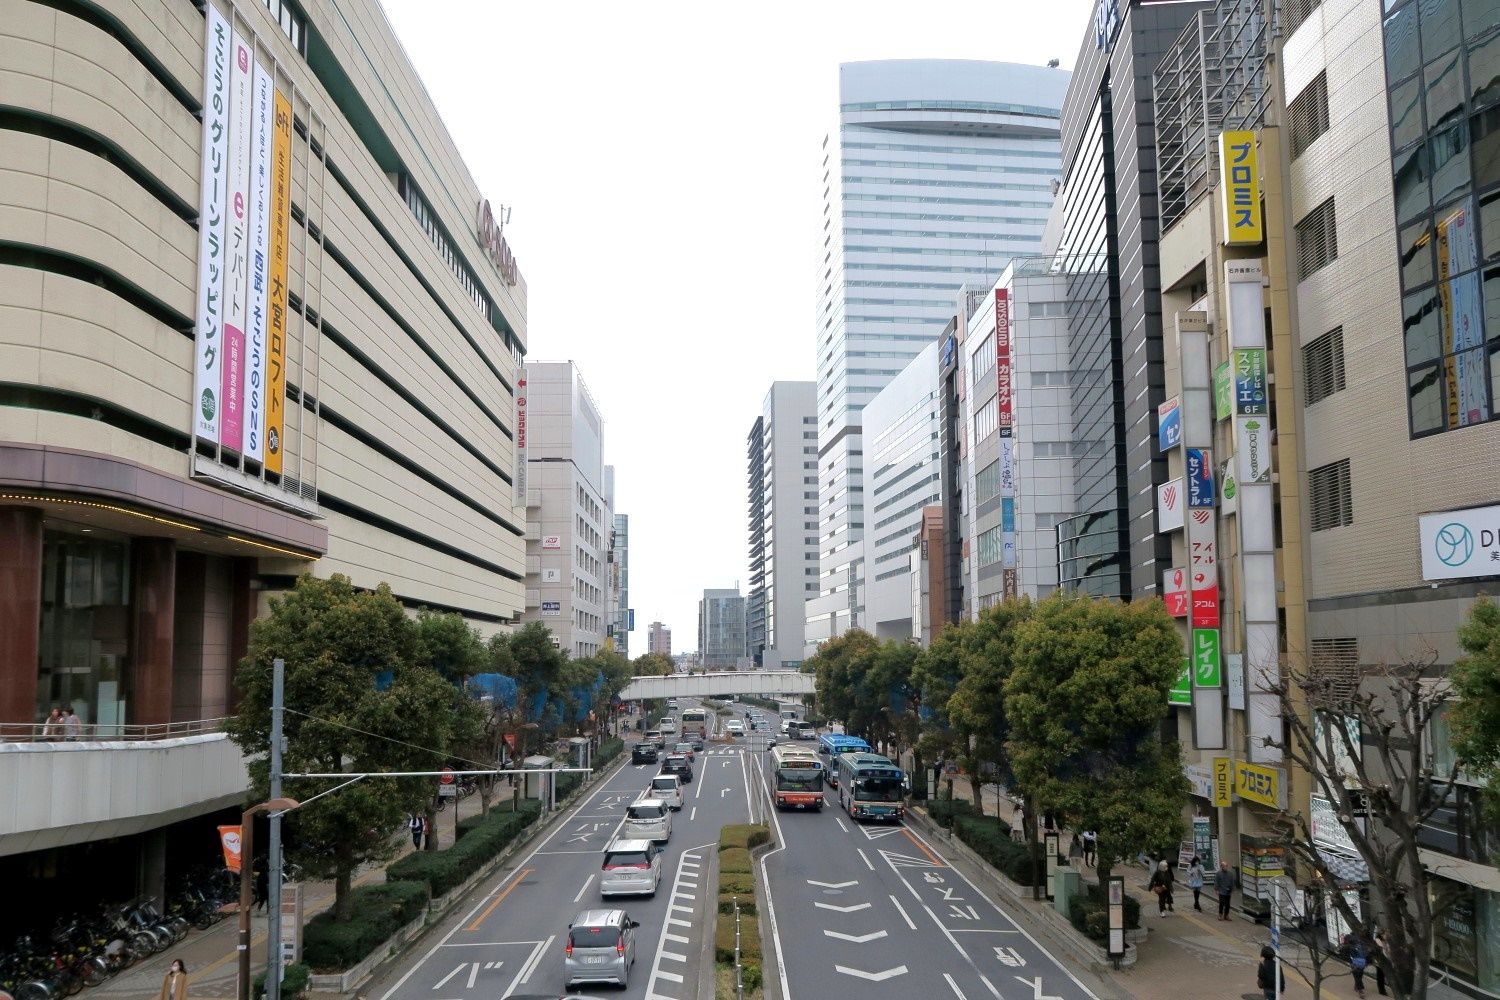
1402, 50
1440, 27
1421, 324
1416, 255
1425, 394
1413, 192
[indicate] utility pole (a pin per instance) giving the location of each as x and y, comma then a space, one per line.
274, 970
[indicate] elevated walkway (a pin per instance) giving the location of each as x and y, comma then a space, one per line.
764, 683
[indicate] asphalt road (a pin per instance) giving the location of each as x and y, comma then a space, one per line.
877, 910
509, 936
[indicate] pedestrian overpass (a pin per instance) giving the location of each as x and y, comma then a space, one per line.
764, 683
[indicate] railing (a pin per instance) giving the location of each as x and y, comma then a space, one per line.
62, 732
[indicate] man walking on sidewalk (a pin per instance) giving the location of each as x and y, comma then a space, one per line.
1224, 885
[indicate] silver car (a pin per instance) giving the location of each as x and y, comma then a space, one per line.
648, 819
600, 948
631, 868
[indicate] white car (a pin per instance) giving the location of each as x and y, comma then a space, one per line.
734, 727
631, 868
648, 819
669, 727
667, 788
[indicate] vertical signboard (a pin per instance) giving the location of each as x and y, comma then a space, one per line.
1004, 377
237, 249
1169, 506
1181, 692
1239, 180
1168, 425
213, 204
1200, 477
1250, 394
519, 473
1174, 592
1223, 392
260, 244
1201, 527
281, 224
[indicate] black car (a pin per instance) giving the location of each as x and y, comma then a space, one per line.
643, 753
679, 765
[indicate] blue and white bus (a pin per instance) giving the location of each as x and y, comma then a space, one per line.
871, 787
831, 746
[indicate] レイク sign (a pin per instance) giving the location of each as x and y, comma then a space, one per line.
1461, 544
491, 236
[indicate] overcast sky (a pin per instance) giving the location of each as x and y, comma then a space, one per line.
662, 163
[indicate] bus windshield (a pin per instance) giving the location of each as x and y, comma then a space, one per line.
878, 789
799, 779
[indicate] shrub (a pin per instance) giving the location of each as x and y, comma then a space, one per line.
749, 940
1089, 912
747, 903
736, 884
744, 835
445, 870
379, 911
734, 860
991, 841
293, 983
751, 974
608, 751
945, 811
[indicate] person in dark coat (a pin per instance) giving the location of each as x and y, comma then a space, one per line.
1268, 974
1224, 886
1161, 884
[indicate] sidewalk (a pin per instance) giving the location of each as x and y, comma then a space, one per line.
210, 954
1190, 953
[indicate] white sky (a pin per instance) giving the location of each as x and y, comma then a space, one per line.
662, 162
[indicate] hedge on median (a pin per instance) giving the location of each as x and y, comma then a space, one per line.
1089, 912
737, 883
379, 911
482, 837
746, 835
991, 840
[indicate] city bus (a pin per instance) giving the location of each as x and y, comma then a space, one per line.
796, 778
871, 787
694, 723
833, 745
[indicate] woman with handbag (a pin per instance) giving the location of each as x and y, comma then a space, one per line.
1161, 884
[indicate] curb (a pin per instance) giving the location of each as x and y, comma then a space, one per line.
1060, 930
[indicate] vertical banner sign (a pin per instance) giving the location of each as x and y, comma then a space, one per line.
1250, 395
237, 274
1206, 669
1223, 394
1174, 592
1007, 467
260, 241
1168, 425
518, 474
1200, 477
229, 836
213, 201
1201, 524
281, 225
1203, 558
1003, 374
1239, 177
1116, 917
1182, 692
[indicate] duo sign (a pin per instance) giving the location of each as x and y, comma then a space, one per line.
1461, 544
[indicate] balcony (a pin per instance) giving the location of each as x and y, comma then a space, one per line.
111, 781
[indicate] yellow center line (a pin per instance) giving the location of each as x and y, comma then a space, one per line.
498, 900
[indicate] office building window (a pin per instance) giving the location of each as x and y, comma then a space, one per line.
989, 546
987, 483
1323, 366
293, 22
1308, 114
983, 358
1332, 500
1317, 240
986, 420
1046, 310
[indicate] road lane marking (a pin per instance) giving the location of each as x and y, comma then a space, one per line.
678, 923
473, 975
693, 815
688, 857
675, 938
499, 899
854, 908
833, 885
956, 991
874, 977
586, 883
902, 910
674, 956
523, 974
840, 821
856, 938
456, 970
664, 974
484, 944
1036, 989
936, 861
865, 858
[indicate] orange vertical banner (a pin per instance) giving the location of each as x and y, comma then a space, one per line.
281, 218
229, 838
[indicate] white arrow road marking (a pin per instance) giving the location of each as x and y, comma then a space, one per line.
835, 908
456, 971
1010, 957
1036, 989
723, 791
856, 938
874, 977
833, 885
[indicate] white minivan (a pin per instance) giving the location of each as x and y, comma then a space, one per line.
648, 819
631, 868
667, 788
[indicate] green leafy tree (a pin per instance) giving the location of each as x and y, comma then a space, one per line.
357, 701
978, 701
841, 665
1084, 701
652, 665
893, 700
539, 679
1475, 713
935, 675
448, 645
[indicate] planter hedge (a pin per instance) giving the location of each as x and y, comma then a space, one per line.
445, 870
330, 945
747, 903
608, 751
744, 835
991, 841
749, 939
734, 861
945, 811
1089, 913
293, 983
735, 883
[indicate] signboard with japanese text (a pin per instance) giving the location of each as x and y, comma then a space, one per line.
1223, 392
1251, 397
1206, 668
1262, 785
277, 303
1203, 551
213, 210
1174, 591
1460, 544
1181, 692
551, 609
552, 542
1239, 182
237, 249
518, 475
260, 245
1200, 477
1252, 450
1223, 781
1169, 424
1004, 376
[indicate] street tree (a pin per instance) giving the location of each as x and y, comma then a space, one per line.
894, 702
448, 645
841, 666
1364, 741
539, 681
652, 665
1084, 702
935, 675
356, 701
978, 700
1475, 716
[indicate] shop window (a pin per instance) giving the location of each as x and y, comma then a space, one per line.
85, 627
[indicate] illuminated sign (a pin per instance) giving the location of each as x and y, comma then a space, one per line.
491, 236
1002, 360
1239, 177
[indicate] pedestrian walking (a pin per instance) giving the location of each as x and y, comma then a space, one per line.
174, 984
1195, 880
1376, 952
1090, 848
72, 726
1224, 886
1353, 950
1161, 884
1268, 974
426, 833
262, 887
414, 824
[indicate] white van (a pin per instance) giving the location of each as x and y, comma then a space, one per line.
669, 727
631, 868
648, 819
667, 788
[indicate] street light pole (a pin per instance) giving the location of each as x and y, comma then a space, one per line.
247, 880
273, 855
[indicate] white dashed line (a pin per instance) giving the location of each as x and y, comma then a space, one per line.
865, 858
902, 911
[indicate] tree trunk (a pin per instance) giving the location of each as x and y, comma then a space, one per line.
429, 843
343, 903
975, 787
1028, 818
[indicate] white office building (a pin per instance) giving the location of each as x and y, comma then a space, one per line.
567, 515
937, 173
620, 614
721, 630
781, 454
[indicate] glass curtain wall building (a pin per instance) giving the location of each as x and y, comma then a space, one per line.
937, 173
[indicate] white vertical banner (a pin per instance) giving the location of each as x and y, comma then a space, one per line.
518, 475
213, 201
237, 275
260, 244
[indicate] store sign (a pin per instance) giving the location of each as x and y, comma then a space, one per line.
1229, 488
1259, 784
1239, 180
1174, 592
1200, 477
1461, 544
1252, 445
1169, 424
1250, 395
552, 609
552, 541
1004, 377
552, 576
212, 214
1203, 551
1223, 781
1200, 779
1169, 506
1007, 467
1206, 672
1326, 829
491, 236
1223, 392
1205, 610
1181, 692
1234, 670
229, 838
519, 475
1106, 24
281, 220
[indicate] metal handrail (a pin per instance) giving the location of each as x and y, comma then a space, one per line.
44, 732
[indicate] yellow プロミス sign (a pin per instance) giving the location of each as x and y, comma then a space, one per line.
1239, 179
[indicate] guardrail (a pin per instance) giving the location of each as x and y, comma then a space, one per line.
62, 732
